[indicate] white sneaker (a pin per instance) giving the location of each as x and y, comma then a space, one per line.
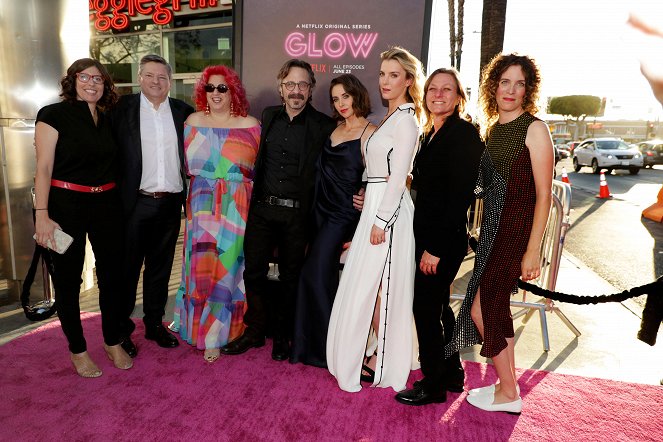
487, 389
485, 402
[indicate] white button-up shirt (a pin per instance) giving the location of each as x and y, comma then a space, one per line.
158, 137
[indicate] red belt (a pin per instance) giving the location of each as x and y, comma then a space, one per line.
79, 188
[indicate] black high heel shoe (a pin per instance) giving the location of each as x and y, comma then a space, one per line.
370, 376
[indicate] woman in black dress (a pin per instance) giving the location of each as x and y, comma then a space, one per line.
75, 191
340, 170
444, 174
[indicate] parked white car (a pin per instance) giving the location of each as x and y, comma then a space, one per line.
607, 153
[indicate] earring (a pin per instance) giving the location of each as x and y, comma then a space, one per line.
207, 109
232, 109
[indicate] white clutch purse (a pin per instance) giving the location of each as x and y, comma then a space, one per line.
62, 241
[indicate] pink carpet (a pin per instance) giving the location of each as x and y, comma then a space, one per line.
173, 394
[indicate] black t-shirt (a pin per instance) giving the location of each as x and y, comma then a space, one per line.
84, 154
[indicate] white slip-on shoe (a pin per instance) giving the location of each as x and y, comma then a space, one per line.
485, 402
487, 389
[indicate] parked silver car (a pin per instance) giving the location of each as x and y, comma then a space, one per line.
652, 152
607, 153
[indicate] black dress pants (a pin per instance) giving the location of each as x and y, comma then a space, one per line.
152, 230
431, 302
99, 215
269, 227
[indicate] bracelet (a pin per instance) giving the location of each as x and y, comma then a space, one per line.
42, 209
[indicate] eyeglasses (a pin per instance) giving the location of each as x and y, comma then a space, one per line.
302, 85
222, 88
84, 78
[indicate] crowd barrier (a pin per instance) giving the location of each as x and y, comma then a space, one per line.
551, 254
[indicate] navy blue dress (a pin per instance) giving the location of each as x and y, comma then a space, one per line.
340, 170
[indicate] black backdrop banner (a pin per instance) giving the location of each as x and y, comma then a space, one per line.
336, 37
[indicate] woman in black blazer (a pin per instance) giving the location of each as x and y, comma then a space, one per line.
444, 175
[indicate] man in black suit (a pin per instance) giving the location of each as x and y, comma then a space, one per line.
148, 128
292, 137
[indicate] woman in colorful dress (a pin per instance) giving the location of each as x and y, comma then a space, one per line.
515, 183
374, 296
221, 143
340, 170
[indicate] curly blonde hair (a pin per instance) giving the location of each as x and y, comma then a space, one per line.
414, 70
490, 79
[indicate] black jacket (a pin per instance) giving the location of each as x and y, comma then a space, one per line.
318, 128
444, 176
125, 121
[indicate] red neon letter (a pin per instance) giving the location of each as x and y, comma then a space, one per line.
101, 22
141, 9
161, 16
194, 4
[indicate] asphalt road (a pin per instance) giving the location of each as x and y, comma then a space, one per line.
610, 235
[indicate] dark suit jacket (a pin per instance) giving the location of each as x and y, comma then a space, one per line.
125, 121
318, 128
444, 176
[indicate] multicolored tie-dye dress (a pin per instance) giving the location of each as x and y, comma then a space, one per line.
211, 300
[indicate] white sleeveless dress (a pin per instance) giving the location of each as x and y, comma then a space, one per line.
390, 265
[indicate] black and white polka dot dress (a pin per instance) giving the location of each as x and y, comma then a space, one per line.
506, 185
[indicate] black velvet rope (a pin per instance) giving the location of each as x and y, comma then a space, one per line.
653, 288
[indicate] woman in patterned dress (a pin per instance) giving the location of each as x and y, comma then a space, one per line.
221, 143
374, 296
515, 181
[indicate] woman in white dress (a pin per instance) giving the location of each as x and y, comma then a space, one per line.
374, 296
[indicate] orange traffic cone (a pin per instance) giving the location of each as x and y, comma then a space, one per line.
565, 177
604, 192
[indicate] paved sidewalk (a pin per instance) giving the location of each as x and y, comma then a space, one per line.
608, 347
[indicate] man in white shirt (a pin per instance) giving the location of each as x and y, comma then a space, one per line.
148, 128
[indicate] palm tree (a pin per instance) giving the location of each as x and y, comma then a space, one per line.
493, 21
456, 33
459, 35
452, 31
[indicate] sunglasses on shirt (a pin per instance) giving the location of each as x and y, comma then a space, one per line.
222, 88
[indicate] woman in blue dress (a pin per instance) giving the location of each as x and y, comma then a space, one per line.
339, 177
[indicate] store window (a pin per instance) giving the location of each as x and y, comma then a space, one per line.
192, 51
189, 43
121, 54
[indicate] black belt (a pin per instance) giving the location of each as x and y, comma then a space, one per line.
283, 202
156, 195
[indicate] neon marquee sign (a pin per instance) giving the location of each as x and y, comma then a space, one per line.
115, 14
334, 45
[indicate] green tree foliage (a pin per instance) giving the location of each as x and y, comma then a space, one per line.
576, 106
